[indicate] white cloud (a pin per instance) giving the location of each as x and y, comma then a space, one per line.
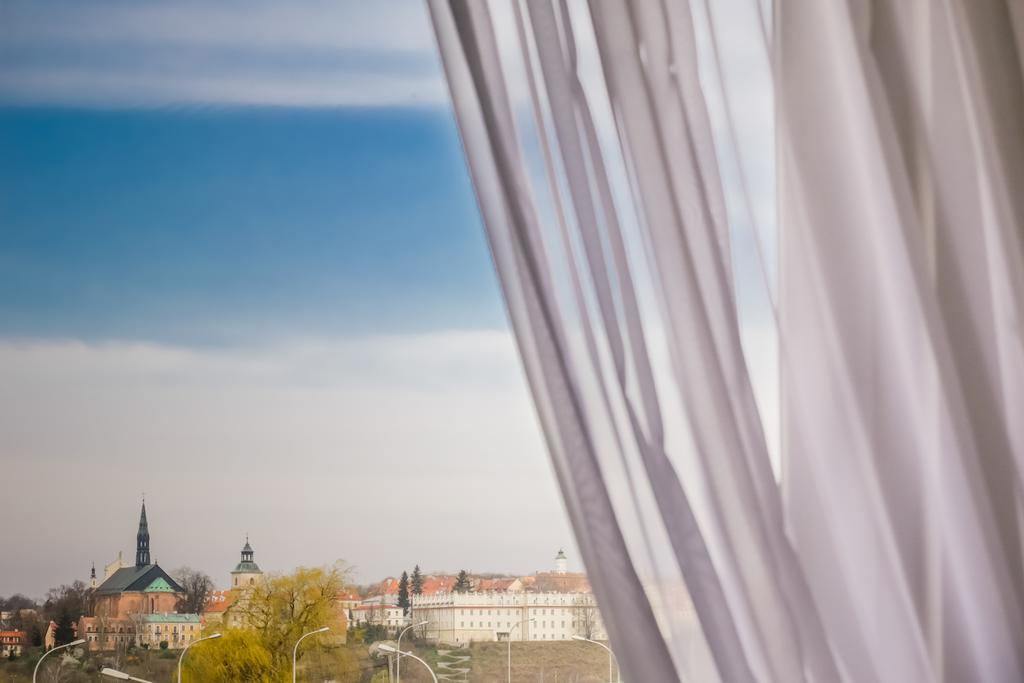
320, 449
310, 53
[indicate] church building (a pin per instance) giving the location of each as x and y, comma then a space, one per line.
132, 597
229, 607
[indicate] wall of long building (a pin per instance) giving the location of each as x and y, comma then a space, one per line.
474, 617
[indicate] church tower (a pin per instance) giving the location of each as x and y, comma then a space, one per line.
92, 577
247, 572
142, 540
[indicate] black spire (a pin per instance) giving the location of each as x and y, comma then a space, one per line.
142, 539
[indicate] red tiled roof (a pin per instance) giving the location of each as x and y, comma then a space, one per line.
553, 582
543, 582
439, 583
219, 601
497, 585
350, 595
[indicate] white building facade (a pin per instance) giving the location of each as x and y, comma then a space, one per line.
474, 617
381, 610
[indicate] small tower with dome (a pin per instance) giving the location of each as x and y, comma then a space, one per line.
247, 573
561, 562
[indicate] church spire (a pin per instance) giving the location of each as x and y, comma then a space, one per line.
247, 550
142, 539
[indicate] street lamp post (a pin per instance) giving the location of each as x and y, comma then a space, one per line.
515, 625
295, 650
182, 655
48, 652
388, 648
121, 676
611, 657
398, 662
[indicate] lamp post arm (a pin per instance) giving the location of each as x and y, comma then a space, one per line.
512, 628
611, 657
51, 651
398, 659
182, 655
295, 650
409, 654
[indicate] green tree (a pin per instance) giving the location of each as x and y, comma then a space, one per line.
403, 593
285, 606
239, 655
462, 584
66, 622
374, 632
417, 581
69, 602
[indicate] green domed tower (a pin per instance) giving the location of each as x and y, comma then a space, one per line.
247, 573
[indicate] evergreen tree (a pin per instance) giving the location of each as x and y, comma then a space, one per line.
65, 628
403, 593
462, 584
417, 581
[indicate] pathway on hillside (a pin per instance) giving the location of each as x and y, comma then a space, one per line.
453, 665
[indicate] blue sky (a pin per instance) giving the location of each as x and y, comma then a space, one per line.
237, 224
241, 269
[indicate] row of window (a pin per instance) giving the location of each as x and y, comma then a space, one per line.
106, 637
120, 629
122, 638
509, 624
554, 611
546, 600
169, 629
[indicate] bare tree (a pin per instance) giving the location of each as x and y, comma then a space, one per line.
585, 616
198, 586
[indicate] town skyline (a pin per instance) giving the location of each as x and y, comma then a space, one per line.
541, 558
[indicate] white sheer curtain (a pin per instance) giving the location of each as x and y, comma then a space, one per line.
597, 135
902, 127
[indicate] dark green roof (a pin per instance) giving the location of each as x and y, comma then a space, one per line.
136, 579
247, 568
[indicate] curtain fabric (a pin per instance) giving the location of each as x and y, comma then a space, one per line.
892, 549
902, 140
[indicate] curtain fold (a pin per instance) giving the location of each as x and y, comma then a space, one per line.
598, 135
900, 305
